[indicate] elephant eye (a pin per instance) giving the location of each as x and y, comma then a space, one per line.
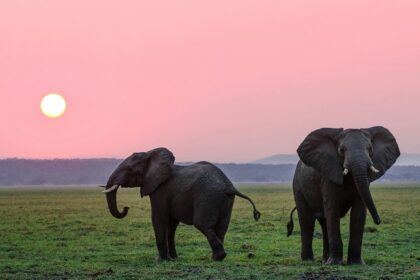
341, 150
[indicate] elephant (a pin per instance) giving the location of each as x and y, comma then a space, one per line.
333, 176
199, 194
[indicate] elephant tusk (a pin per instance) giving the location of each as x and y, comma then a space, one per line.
114, 187
345, 171
373, 169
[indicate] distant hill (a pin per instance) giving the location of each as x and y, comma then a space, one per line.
97, 171
279, 159
403, 160
409, 159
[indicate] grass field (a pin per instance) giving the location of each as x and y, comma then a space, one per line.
67, 233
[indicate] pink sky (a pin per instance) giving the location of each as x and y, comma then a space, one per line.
211, 80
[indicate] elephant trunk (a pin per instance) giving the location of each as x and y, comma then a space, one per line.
360, 176
111, 198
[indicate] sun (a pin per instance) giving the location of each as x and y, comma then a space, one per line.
53, 105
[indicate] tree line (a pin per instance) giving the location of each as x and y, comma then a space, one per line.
97, 171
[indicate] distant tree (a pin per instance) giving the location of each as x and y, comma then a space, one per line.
96, 171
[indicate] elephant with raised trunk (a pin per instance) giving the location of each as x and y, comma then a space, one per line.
333, 176
198, 194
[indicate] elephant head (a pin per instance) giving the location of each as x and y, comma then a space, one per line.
365, 154
144, 170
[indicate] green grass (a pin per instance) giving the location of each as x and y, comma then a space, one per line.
67, 233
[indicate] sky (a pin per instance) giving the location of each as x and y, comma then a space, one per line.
225, 81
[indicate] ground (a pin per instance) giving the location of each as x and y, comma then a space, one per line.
68, 233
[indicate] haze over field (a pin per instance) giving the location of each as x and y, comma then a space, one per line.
14, 172
218, 81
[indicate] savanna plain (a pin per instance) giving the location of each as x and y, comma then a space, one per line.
68, 233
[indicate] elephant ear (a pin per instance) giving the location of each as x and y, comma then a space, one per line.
385, 150
158, 170
319, 151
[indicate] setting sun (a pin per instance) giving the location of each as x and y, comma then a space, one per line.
53, 105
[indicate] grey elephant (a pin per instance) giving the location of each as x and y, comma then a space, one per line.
198, 194
333, 176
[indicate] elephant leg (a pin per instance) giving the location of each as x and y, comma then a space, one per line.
160, 226
307, 225
173, 224
216, 245
334, 237
223, 225
326, 246
357, 226
206, 221
221, 230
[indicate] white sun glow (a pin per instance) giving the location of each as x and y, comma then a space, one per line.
53, 105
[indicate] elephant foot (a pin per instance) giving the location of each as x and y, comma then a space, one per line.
219, 256
355, 261
307, 257
173, 255
164, 258
334, 261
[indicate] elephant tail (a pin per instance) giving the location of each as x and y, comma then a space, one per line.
290, 224
257, 214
